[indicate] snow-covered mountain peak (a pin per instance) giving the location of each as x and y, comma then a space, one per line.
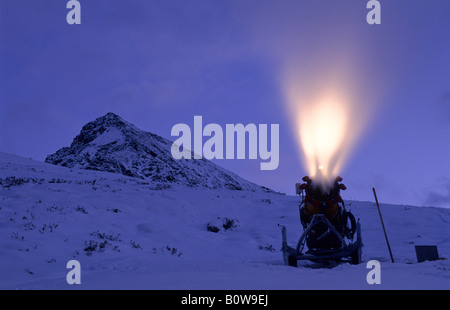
111, 144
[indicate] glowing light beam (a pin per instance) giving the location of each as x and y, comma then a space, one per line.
327, 121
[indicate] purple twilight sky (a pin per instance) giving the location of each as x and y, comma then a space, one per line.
159, 63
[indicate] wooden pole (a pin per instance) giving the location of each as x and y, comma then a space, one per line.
382, 223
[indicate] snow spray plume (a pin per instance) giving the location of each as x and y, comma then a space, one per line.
327, 118
327, 74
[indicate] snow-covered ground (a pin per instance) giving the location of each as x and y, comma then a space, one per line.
127, 235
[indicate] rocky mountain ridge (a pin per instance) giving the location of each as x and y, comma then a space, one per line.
113, 145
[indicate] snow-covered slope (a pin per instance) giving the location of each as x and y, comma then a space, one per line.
111, 144
128, 235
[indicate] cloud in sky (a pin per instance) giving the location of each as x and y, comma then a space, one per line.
439, 196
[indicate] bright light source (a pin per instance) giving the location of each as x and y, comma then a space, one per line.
327, 122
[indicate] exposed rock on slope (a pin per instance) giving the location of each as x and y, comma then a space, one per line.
111, 144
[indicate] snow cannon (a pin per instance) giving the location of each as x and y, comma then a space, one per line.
328, 227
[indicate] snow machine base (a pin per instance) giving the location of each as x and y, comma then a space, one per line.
351, 251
